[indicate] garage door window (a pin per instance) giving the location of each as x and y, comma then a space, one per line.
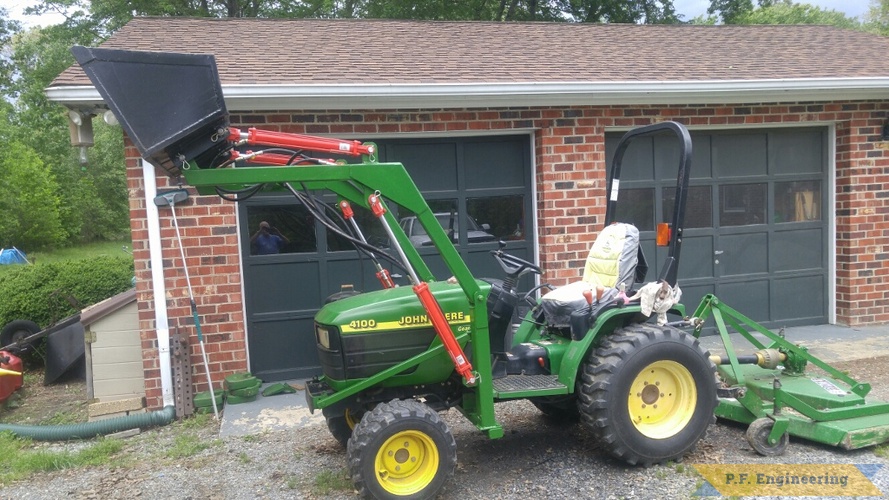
742, 204
636, 206
698, 209
797, 201
291, 229
499, 217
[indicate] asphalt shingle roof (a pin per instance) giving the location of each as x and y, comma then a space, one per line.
318, 51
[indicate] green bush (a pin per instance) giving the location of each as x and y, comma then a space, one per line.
39, 292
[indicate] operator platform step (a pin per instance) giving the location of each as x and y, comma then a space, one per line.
525, 383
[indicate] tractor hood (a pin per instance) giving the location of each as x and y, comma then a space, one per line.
397, 309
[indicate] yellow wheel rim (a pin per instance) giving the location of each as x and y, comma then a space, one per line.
351, 420
406, 463
662, 399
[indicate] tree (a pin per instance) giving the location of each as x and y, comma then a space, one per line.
29, 200
106, 16
92, 199
729, 10
787, 12
876, 20
8, 28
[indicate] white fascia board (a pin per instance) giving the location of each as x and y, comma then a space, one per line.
457, 95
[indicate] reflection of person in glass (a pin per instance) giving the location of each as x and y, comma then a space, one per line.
268, 240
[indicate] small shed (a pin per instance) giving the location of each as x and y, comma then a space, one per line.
115, 379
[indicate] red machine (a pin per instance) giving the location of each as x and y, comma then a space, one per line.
11, 377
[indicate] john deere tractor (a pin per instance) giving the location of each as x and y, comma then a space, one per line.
393, 358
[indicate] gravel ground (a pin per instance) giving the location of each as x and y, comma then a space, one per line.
537, 458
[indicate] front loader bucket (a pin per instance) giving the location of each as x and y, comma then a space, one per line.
170, 105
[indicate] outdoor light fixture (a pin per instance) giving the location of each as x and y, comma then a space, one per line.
109, 118
80, 128
885, 135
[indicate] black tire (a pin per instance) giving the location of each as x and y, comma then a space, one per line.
758, 437
16, 331
342, 423
621, 407
559, 409
401, 433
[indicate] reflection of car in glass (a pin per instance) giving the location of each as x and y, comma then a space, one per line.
419, 238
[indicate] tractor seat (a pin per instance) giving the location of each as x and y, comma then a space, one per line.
612, 260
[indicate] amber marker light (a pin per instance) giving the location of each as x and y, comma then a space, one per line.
663, 234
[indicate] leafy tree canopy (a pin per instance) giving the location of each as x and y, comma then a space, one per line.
787, 12
106, 16
775, 12
876, 20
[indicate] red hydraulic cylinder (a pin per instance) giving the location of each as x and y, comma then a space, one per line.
443, 329
433, 310
256, 136
382, 274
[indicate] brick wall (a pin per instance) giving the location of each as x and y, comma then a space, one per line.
570, 180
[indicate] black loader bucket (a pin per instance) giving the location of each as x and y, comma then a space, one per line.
170, 105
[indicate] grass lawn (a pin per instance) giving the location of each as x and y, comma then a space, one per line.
81, 252
113, 248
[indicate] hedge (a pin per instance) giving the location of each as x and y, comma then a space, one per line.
39, 292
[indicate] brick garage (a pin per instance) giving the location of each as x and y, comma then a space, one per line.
569, 158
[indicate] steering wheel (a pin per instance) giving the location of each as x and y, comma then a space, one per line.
513, 266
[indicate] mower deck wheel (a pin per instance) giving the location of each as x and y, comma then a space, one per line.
758, 437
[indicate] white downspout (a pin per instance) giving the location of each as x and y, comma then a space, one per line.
155, 252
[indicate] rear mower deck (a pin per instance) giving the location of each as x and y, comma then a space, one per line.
774, 385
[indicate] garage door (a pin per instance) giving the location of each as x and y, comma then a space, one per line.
756, 234
479, 187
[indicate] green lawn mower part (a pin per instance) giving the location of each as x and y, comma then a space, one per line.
236, 400
278, 388
246, 392
237, 381
774, 391
205, 399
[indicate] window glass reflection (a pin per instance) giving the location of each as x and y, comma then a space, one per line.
742, 204
281, 229
370, 227
496, 218
636, 206
797, 201
445, 212
698, 209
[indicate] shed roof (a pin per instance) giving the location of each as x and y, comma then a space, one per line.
401, 61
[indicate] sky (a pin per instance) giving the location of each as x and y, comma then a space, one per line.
688, 8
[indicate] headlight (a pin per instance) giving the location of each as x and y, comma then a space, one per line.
323, 337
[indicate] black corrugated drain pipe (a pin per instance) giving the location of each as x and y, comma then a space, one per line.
92, 429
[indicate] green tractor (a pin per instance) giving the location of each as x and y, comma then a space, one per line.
393, 358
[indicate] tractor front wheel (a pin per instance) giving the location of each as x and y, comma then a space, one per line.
648, 393
401, 449
341, 423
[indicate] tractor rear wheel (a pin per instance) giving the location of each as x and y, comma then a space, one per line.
560, 409
648, 392
401, 449
341, 423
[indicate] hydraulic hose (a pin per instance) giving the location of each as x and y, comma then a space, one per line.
92, 429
